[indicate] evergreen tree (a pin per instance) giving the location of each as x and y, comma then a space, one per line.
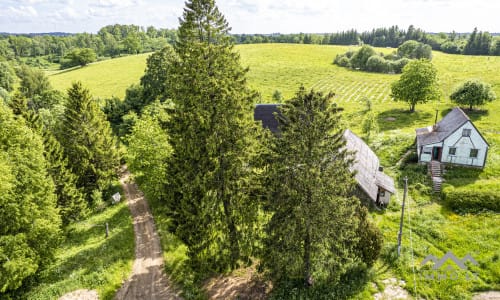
87, 141
29, 223
70, 200
312, 230
211, 132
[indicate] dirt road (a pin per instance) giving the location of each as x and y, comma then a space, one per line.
148, 279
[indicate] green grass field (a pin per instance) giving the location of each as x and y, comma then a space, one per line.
434, 229
88, 260
104, 79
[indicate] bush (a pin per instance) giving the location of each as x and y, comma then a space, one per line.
344, 62
450, 47
398, 65
472, 198
377, 64
360, 57
414, 49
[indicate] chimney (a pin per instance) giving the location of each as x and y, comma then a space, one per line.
435, 120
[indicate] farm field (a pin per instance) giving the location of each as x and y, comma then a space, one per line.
430, 228
104, 79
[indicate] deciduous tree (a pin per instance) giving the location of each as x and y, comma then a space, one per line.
473, 92
417, 84
29, 223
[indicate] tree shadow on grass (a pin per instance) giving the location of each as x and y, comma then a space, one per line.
401, 118
474, 114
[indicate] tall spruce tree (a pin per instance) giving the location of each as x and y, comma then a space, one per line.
211, 132
29, 223
86, 137
70, 200
311, 235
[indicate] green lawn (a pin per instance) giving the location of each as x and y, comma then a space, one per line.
434, 229
87, 260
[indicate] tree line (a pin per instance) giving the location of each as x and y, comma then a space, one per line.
58, 162
475, 43
114, 40
109, 41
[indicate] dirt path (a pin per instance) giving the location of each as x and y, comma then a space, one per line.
148, 279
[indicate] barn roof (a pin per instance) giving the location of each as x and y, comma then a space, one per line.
265, 113
435, 134
366, 165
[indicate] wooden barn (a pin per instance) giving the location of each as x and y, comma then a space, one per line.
372, 183
453, 140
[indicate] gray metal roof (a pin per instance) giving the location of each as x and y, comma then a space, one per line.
435, 134
366, 165
265, 113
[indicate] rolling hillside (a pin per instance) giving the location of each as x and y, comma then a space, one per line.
434, 229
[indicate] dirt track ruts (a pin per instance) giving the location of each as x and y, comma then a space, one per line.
148, 279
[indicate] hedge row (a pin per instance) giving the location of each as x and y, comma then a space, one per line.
474, 198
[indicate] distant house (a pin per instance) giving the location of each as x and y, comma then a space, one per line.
371, 180
453, 140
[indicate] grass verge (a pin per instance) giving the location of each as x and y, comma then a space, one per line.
88, 260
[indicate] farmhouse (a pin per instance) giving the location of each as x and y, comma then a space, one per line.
372, 183
454, 140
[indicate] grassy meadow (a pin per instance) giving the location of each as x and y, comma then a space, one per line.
104, 79
88, 260
430, 227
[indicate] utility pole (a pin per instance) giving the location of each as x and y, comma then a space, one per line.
402, 214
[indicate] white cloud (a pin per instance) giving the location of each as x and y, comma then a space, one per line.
114, 3
22, 12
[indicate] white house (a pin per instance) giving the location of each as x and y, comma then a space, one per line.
453, 140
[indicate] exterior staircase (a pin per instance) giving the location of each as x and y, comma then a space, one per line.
436, 169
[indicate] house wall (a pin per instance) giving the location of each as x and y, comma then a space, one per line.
384, 196
463, 146
426, 152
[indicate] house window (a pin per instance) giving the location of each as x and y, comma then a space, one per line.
427, 150
382, 194
473, 153
466, 132
452, 151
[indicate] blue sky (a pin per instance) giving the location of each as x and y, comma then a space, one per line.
253, 16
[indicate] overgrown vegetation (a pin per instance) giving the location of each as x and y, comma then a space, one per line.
367, 59
86, 259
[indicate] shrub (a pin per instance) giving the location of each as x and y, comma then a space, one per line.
377, 64
450, 47
360, 57
344, 62
398, 65
472, 198
414, 49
